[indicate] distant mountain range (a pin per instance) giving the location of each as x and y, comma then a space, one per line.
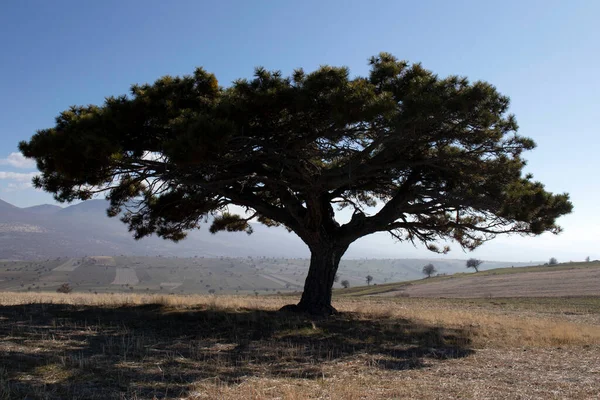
46, 231
49, 231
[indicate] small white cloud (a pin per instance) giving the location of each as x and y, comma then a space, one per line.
18, 160
18, 176
16, 187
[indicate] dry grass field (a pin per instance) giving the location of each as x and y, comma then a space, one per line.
568, 279
582, 282
85, 346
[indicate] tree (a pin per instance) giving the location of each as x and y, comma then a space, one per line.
345, 284
552, 261
440, 156
474, 263
336, 278
369, 279
429, 270
587, 259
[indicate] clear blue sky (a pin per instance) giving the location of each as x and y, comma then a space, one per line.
544, 54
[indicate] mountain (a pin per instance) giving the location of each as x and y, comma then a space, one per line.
10, 213
6, 206
43, 209
83, 229
95, 207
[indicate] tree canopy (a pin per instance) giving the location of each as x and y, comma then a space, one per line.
429, 270
441, 155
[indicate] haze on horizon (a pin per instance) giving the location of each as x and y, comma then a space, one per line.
541, 54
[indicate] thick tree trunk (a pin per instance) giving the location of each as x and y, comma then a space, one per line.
324, 262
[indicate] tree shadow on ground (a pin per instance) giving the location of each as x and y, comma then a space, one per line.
54, 351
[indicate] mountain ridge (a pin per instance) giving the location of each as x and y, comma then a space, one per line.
83, 229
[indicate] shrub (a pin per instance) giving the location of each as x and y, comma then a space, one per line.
64, 288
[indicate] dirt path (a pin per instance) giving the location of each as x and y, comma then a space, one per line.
273, 279
575, 282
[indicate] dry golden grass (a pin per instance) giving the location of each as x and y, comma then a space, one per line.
484, 326
487, 327
128, 346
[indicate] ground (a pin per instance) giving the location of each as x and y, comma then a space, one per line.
85, 346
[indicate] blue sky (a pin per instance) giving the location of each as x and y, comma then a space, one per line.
543, 54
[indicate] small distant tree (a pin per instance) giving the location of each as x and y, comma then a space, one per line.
337, 277
369, 279
474, 263
429, 270
587, 259
552, 261
64, 288
345, 284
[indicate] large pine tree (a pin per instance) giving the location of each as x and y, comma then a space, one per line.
441, 155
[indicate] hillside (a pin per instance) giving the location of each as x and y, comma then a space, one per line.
198, 274
49, 231
83, 229
568, 279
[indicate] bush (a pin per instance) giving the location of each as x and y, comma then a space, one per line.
64, 288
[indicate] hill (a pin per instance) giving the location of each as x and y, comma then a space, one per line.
43, 209
568, 279
49, 231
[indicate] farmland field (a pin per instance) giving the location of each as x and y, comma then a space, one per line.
576, 282
173, 275
574, 279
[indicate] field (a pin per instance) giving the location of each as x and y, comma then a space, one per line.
570, 279
199, 275
132, 346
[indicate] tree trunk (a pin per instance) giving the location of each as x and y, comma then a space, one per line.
324, 262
